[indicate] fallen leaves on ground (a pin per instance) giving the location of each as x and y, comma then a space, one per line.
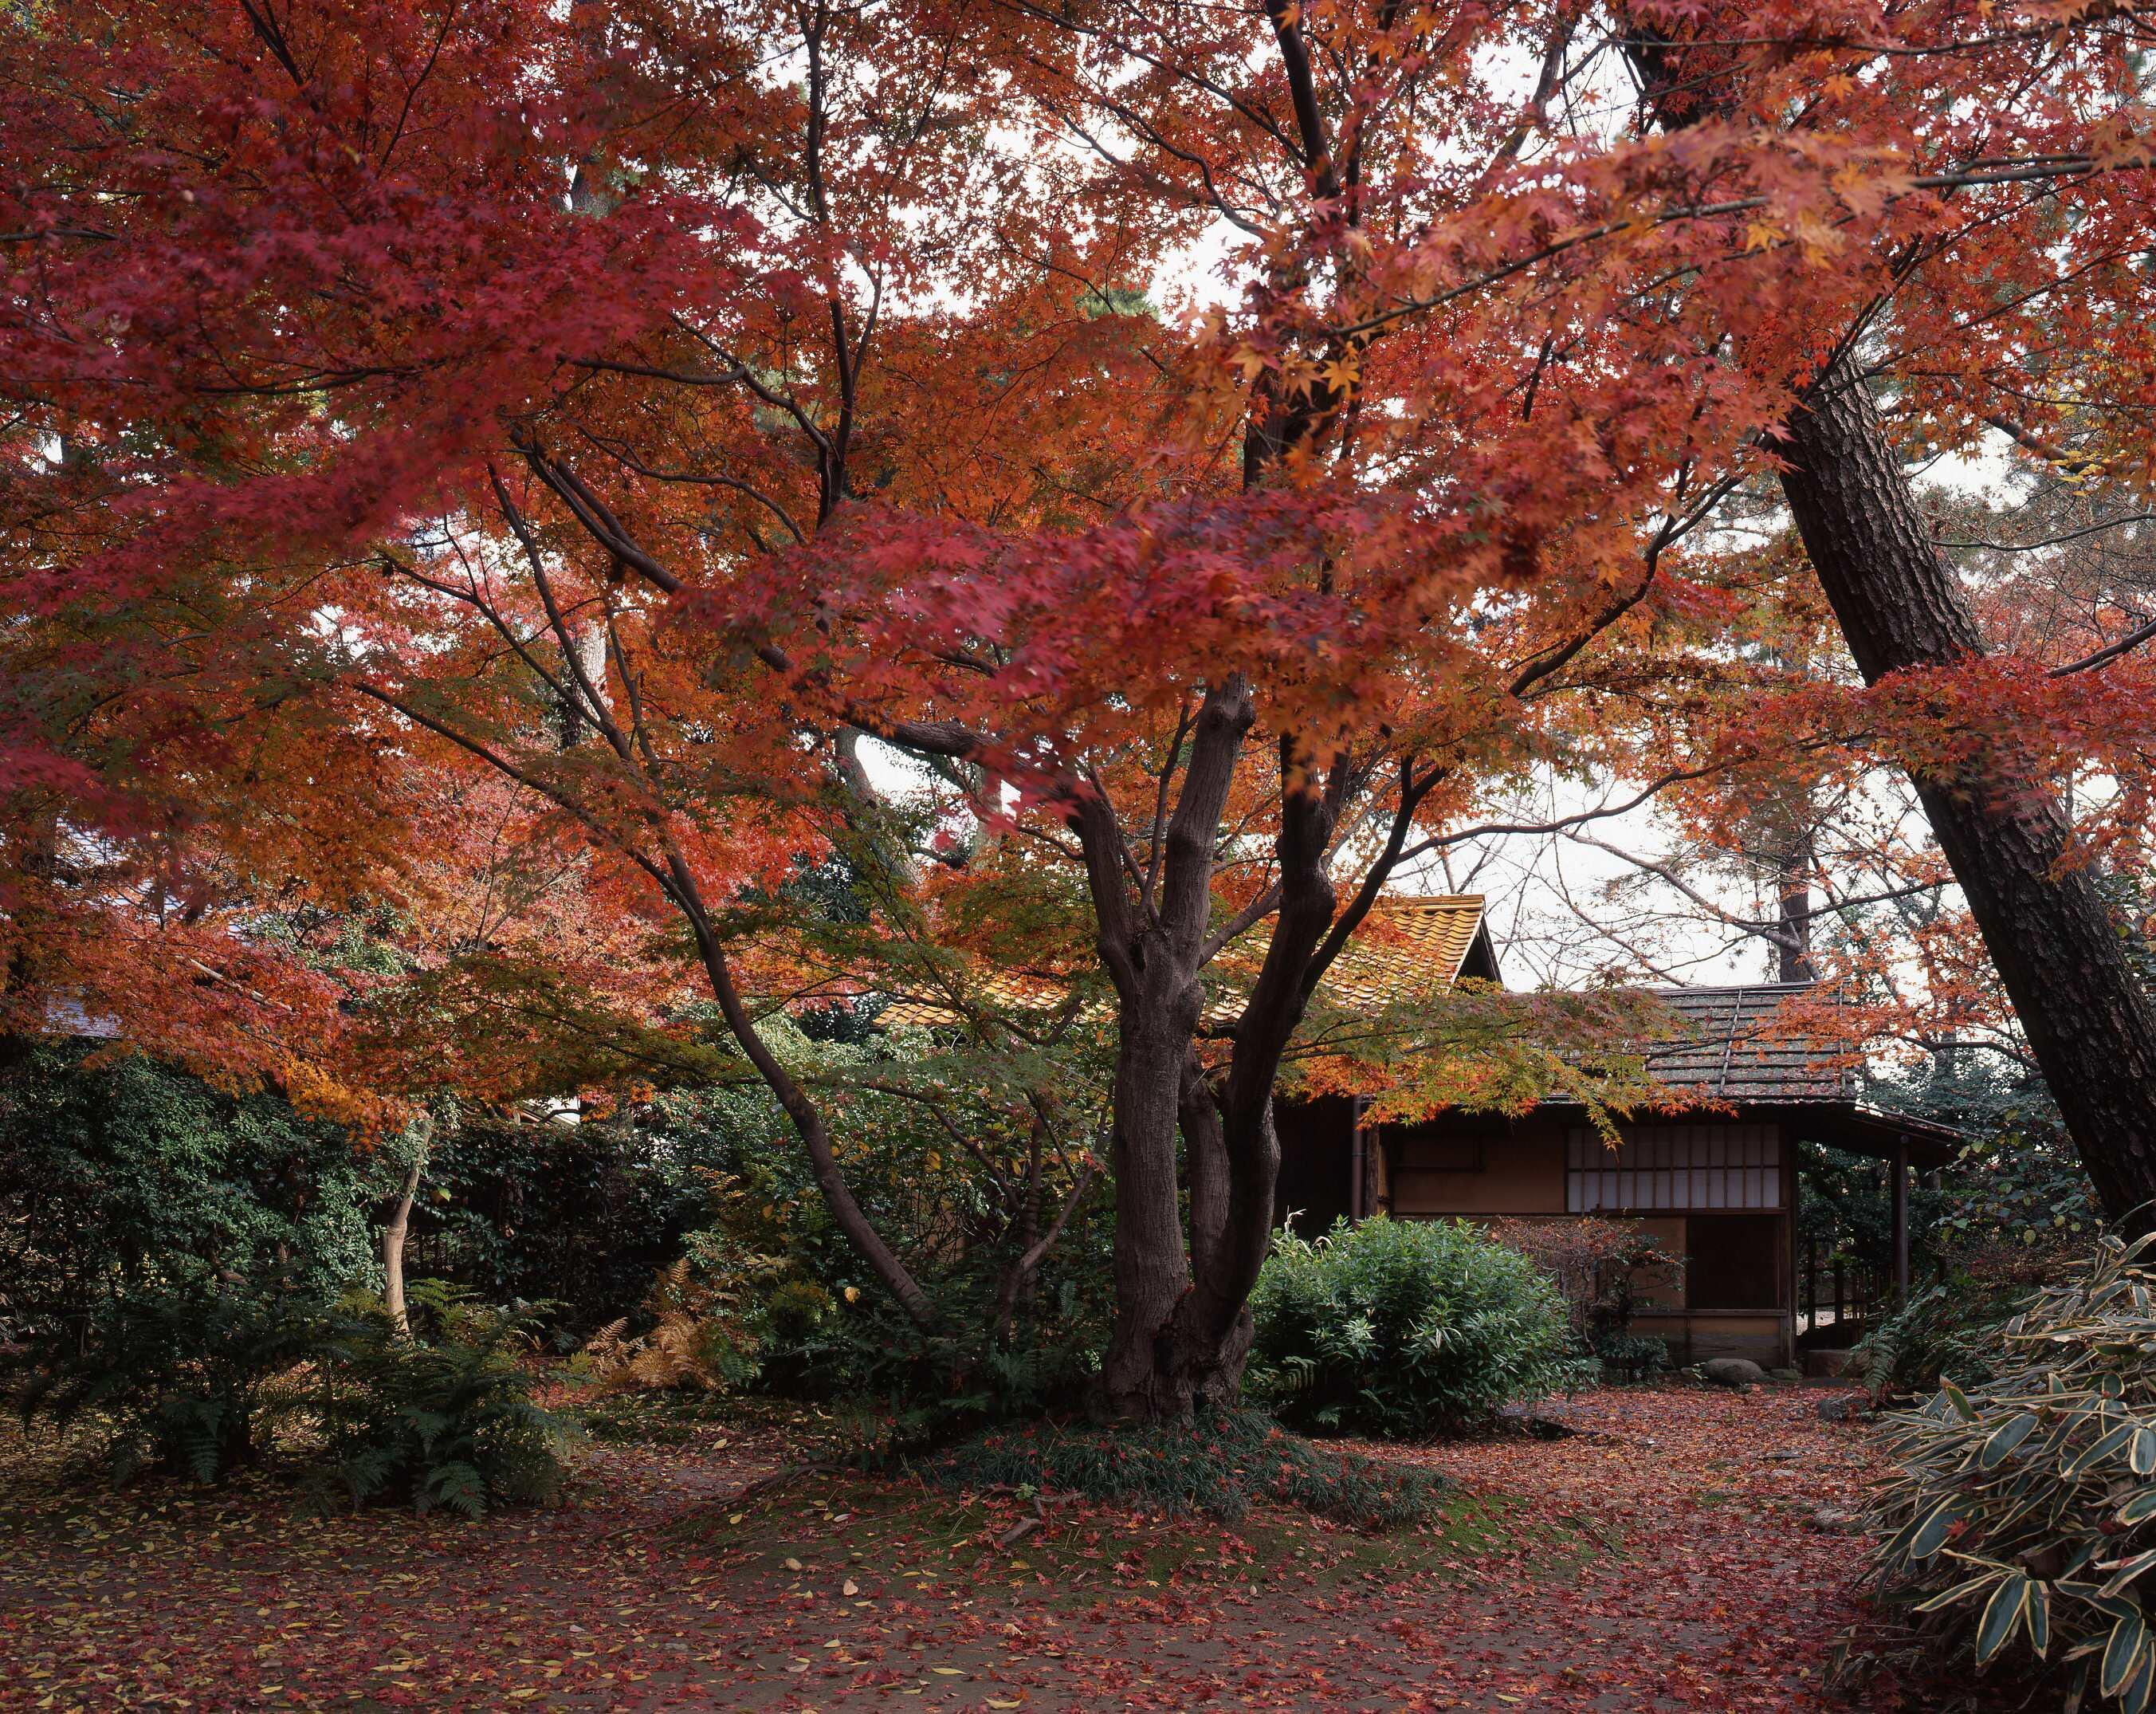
1682, 1551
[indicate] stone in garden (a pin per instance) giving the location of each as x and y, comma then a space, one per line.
1732, 1372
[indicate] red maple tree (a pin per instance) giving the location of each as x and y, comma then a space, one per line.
1222, 448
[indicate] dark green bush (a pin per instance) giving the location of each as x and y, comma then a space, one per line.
581, 1215
2019, 1524
824, 1328
1215, 1463
186, 1382
1943, 1330
123, 1177
442, 1416
199, 1383
1406, 1328
1634, 1357
1951, 1328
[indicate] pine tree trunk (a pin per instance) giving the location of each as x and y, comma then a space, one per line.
2090, 1024
1793, 862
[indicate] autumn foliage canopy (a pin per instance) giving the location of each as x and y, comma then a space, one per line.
538, 473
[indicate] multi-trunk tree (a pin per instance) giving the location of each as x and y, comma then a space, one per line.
1223, 449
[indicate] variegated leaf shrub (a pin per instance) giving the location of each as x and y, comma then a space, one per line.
2019, 1523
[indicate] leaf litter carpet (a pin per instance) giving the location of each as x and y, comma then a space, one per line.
1683, 1550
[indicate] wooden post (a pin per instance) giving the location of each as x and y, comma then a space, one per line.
1792, 1200
1900, 1205
1355, 1172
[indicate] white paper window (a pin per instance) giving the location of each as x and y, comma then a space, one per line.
1673, 1168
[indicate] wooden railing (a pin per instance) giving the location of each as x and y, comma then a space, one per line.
1833, 1291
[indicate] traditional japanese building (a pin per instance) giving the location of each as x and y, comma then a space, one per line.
1713, 1177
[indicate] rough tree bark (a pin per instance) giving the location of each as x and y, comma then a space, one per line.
1789, 849
1153, 956
2090, 1022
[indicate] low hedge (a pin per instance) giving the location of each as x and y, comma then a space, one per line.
1215, 1463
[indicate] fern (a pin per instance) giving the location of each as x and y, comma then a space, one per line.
187, 1382
197, 1384
706, 1328
444, 1418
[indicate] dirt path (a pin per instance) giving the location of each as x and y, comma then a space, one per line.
1670, 1556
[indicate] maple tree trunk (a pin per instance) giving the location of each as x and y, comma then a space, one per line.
807, 1119
1183, 1328
1144, 1374
394, 1232
1182, 1321
2090, 1022
1168, 1352
1229, 1246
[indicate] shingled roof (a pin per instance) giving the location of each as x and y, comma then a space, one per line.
1405, 946
1741, 1048
1747, 1047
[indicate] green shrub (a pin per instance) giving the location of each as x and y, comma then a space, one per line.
581, 1215
1405, 1329
1635, 1356
123, 1177
1943, 1330
1952, 1327
442, 1417
1215, 1463
824, 1328
186, 1382
2020, 1520
198, 1384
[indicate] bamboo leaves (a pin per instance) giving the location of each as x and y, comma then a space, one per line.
2002, 1613
2022, 1513
2005, 1438
2126, 1660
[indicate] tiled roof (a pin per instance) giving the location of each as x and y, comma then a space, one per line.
1742, 1046
1751, 1046
1405, 946
67, 1016
999, 990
